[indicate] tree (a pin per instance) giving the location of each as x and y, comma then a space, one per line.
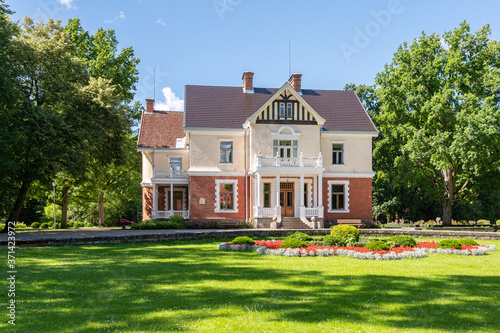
441, 97
40, 122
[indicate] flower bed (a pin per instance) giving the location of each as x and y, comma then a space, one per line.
395, 253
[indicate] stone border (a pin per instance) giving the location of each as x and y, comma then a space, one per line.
152, 236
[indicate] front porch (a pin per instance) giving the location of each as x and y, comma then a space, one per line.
288, 188
170, 194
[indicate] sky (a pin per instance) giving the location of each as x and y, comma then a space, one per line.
212, 42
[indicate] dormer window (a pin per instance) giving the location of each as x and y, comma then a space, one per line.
282, 109
289, 109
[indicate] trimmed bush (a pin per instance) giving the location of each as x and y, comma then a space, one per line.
377, 246
301, 236
334, 241
45, 225
243, 240
401, 241
467, 242
88, 225
348, 232
155, 224
21, 225
293, 242
35, 225
176, 220
498, 222
70, 224
449, 243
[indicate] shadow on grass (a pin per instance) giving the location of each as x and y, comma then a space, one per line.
170, 286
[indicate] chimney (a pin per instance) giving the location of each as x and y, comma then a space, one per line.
150, 102
248, 82
296, 82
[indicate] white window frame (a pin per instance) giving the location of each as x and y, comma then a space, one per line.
346, 196
337, 142
234, 182
170, 158
221, 140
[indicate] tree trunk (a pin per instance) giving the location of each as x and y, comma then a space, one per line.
64, 207
449, 186
101, 209
21, 196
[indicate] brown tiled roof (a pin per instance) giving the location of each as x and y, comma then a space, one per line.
160, 128
229, 107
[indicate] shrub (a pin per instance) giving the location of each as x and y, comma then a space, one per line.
176, 220
35, 225
348, 232
293, 242
45, 225
301, 236
467, 242
334, 241
70, 224
402, 240
377, 246
370, 225
77, 225
449, 243
243, 240
50, 224
155, 224
88, 225
498, 222
188, 224
58, 225
20, 225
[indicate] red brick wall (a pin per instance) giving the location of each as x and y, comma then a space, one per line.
204, 187
360, 199
147, 202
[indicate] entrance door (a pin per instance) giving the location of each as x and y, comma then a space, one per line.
177, 200
287, 199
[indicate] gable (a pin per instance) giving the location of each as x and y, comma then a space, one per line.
286, 106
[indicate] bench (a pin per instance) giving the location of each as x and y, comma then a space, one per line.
356, 223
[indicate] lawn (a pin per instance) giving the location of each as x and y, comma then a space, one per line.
191, 286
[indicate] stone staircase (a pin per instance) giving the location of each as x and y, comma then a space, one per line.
293, 223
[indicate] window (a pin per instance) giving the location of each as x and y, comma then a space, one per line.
289, 109
226, 152
226, 196
285, 148
175, 166
267, 195
337, 153
282, 109
338, 196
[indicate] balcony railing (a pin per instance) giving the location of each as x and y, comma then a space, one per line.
170, 173
310, 162
165, 214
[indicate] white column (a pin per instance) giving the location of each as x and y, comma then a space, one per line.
258, 193
278, 207
155, 201
171, 197
315, 192
301, 191
320, 190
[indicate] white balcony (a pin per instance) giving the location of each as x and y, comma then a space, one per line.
308, 162
165, 214
170, 174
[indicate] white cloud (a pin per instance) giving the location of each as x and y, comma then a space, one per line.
68, 3
160, 21
121, 15
171, 103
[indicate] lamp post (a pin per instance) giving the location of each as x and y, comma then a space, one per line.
54, 190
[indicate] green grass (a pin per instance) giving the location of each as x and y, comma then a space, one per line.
193, 287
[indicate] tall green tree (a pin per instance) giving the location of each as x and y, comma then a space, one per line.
441, 97
48, 77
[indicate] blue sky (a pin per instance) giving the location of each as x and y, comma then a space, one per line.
212, 42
